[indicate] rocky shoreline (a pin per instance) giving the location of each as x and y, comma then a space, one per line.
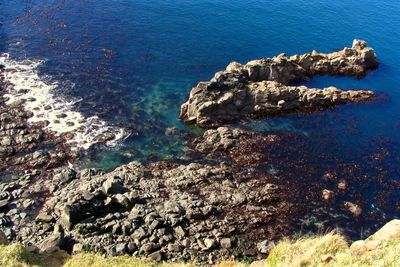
237, 193
264, 87
28, 156
26, 146
25, 89
223, 205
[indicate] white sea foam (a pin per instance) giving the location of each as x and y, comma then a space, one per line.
38, 94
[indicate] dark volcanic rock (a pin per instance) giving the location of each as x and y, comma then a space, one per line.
239, 192
262, 87
25, 146
162, 210
28, 160
227, 202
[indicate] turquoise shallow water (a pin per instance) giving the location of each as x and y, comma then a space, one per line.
133, 63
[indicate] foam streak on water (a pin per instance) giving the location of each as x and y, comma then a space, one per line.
38, 95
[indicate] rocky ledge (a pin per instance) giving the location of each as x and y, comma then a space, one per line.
238, 194
265, 87
163, 210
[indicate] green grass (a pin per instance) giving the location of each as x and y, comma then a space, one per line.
16, 255
312, 251
309, 251
93, 260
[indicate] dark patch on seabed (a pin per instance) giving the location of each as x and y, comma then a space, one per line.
296, 163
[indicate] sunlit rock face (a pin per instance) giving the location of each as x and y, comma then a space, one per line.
265, 86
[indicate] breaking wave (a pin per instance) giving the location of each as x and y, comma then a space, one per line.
38, 95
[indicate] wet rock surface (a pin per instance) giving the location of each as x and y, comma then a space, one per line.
28, 156
24, 146
237, 193
264, 87
227, 203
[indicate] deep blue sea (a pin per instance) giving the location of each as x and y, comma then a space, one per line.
133, 63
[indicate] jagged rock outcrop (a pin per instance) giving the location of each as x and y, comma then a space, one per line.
238, 192
161, 210
263, 87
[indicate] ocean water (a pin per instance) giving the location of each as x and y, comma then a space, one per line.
131, 64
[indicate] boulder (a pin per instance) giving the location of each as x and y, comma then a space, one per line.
157, 256
77, 248
120, 249
265, 246
209, 243
53, 242
226, 243
390, 230
149, 248
5, 199
353, 208
4, 203
327, 195
113, 185
44, 217
69, 217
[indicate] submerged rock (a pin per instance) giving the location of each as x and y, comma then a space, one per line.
263, 87
353, 208
328, 195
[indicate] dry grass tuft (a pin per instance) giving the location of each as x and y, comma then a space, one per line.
329, 250
15, 255
94, 260
230, 264
307, 251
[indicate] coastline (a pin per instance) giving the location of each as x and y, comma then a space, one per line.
331, 249
23, 87
225, 203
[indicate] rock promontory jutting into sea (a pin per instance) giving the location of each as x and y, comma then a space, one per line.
265, 86
235, 194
